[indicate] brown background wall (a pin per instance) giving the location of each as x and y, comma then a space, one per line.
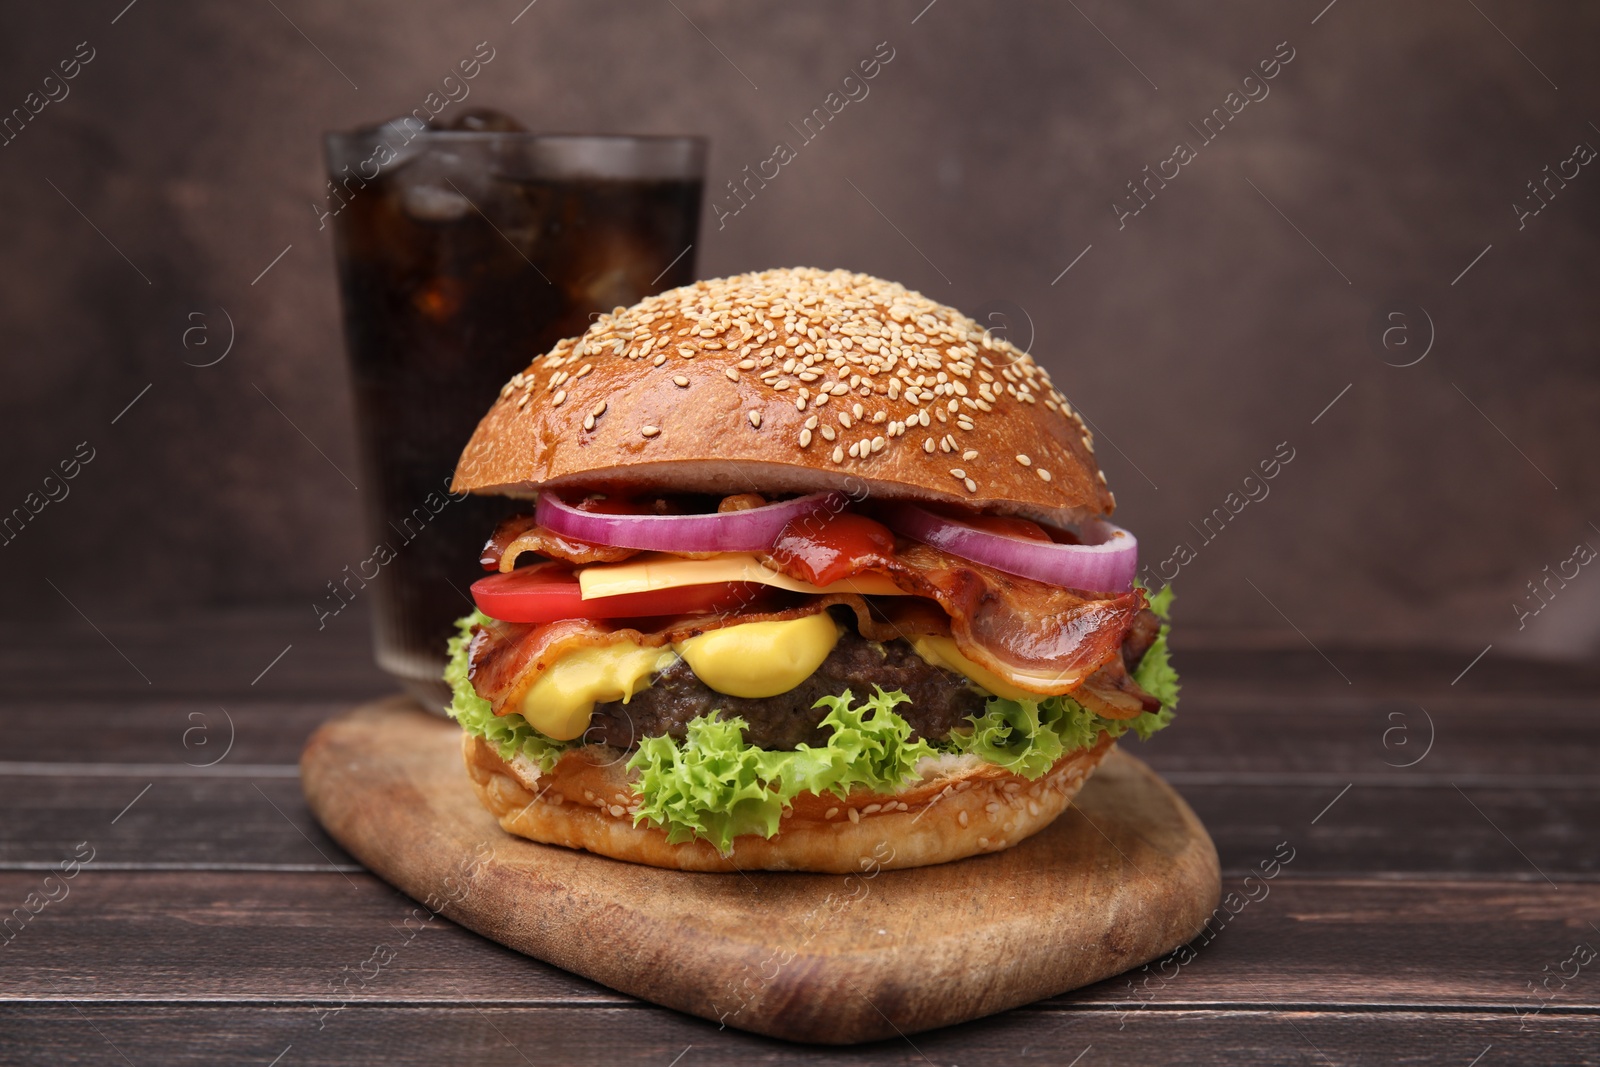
1217, 323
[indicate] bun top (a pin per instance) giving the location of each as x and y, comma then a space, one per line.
792, 381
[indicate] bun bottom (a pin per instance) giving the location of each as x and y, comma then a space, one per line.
961, 806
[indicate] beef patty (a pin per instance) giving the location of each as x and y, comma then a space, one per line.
940, 699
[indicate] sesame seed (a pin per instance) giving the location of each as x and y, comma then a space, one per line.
755, 419
561, 394
1042, 473
811, 423
805, 438
957, 473
828, 432
838, 454
878, 444
972, 486
588, 422
680, 381
1024, 460
835, 332
649, 431
844, 419
599, 409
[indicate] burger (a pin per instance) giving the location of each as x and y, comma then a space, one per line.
815, 574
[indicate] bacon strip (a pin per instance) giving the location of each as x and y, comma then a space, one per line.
1040, 637
522, 533
1112, 692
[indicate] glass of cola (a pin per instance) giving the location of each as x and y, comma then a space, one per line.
463, 253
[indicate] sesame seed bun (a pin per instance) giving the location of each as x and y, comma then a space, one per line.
961, 807
792, 381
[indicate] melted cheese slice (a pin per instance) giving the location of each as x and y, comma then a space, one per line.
942, 652
756, 659
761, 659
662, 571
559, 704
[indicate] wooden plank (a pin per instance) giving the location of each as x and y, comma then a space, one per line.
1518, 831
164, 822
226, 653
283, 937
1282, 733
184, 732
187, 936
1408, 673
1270, 733
493, 1033
1425, 829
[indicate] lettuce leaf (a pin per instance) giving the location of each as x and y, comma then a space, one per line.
714, 786
1155, 674
509, 734
1027, 737
711, 785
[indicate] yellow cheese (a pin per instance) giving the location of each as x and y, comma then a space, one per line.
559, 704
942, 652
756, 659
761, 659
662, 571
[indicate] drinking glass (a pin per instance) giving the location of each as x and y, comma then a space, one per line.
462, 255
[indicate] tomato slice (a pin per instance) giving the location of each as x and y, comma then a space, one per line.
549, 594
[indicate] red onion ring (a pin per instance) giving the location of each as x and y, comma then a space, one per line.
1106, 564
754, 530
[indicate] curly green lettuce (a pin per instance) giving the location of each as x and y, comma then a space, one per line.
1154, 673
510, 735
714, 786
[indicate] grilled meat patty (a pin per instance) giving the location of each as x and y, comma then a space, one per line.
940, 699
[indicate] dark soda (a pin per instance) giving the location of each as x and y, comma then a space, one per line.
466, 257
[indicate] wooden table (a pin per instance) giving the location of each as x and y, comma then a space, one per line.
215, 923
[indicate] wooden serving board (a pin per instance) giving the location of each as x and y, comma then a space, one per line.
1125, 875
